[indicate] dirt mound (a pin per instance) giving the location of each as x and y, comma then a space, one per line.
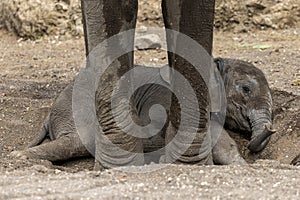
256, 14
35, 18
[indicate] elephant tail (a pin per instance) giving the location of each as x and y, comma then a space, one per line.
43, 134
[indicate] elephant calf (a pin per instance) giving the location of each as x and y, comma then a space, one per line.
249, 110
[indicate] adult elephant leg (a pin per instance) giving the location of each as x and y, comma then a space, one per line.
102, 20
194, 19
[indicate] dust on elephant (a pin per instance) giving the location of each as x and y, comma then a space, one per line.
104, 19
65, 142
249, 108
249, 101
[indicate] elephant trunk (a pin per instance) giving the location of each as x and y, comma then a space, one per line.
261, 124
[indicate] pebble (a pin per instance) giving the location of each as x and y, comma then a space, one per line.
149, 41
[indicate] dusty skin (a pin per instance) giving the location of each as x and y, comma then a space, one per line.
34, 72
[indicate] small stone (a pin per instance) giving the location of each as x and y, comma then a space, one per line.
296, 82
169, 179
150, 41
40, 168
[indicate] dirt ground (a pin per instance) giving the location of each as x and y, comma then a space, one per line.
34, 72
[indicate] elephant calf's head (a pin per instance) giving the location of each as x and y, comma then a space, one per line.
249, 101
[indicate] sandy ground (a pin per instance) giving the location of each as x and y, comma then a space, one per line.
260, 181
34, 72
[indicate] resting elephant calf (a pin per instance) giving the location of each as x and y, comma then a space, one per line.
249, 110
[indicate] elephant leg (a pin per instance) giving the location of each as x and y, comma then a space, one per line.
225, 151
194, 19
104, 19
63, 148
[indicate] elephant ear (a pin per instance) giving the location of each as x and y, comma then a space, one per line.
220, 65
224, 66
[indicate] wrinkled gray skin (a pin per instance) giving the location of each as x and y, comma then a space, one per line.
103, 19
65, 142
249, 101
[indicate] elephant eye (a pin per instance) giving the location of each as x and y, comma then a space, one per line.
246, 89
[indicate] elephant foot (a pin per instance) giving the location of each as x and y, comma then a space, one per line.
29, 159
98, 166
23, 155
227, 158
225, 151
239, 161
187, 148
162, 159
